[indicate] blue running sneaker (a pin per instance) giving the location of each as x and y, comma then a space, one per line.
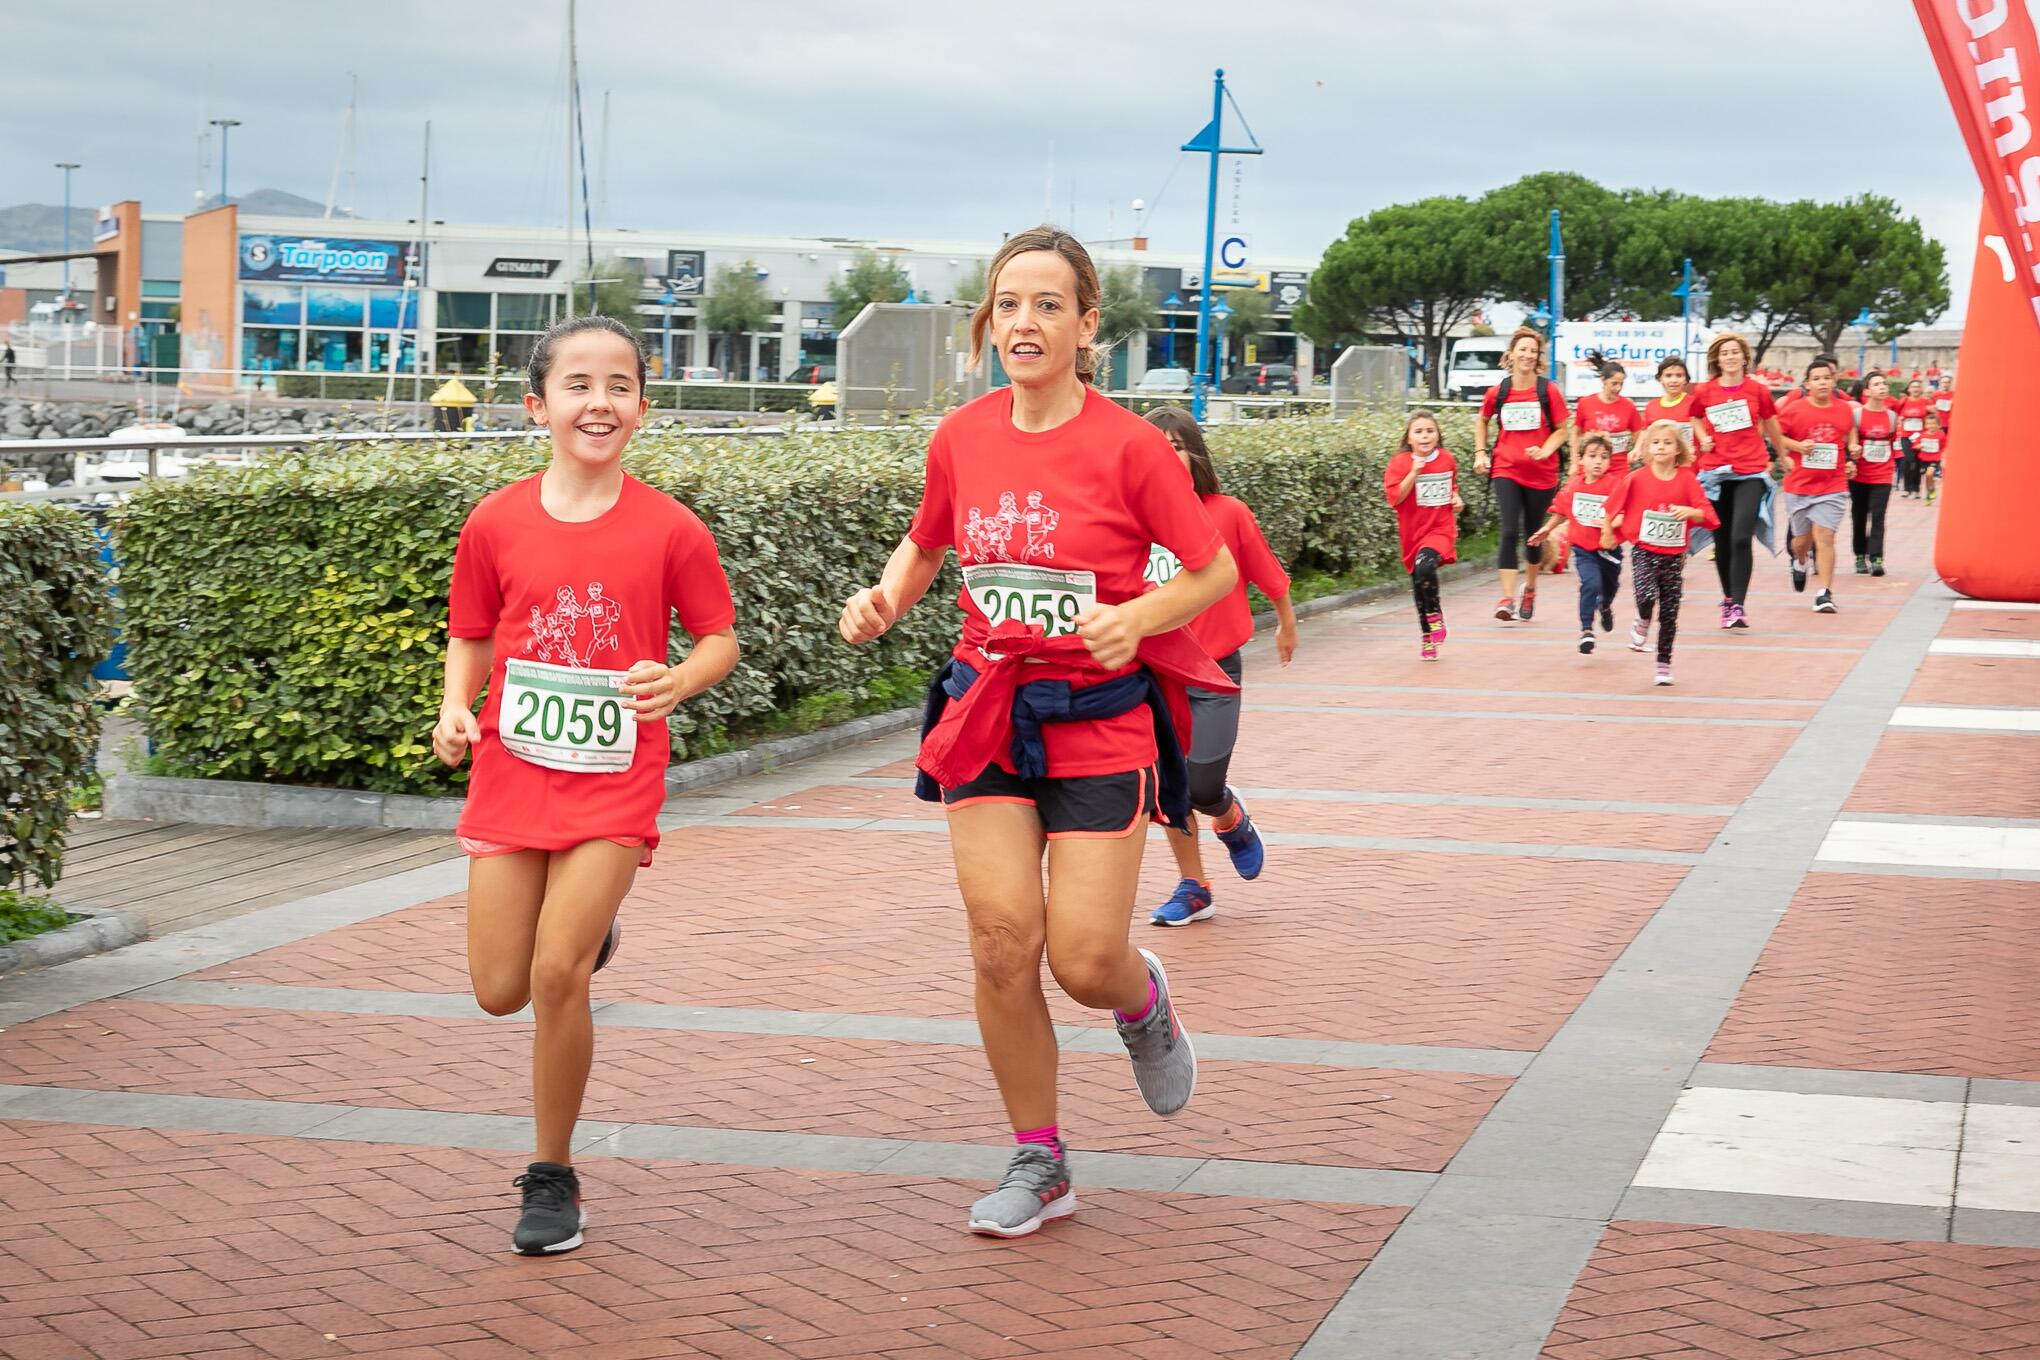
1191, 902
1243, 843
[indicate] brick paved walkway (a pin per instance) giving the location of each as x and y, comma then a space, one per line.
1572, 1017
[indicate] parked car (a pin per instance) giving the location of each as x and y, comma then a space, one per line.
1163, 381
1261, 380
700, 373
813, 374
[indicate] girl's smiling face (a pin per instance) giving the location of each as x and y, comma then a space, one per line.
1423, 436
592, 402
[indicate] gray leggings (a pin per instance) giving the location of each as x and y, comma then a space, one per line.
1215, 728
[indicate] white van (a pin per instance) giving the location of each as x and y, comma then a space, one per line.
1475, 366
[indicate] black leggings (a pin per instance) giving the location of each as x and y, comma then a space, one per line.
1521, 510
1867, 504
1424, 586
1734, 554
1660, 580
1909, 469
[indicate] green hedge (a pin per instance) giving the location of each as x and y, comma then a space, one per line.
60, 615
287, 622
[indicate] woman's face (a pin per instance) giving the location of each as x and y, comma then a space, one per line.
1611, 385
1524, 354
1037, 326
1915, 388
1733, 359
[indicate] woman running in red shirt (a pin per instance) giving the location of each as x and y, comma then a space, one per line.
1736, 415
1422, 483
1912, 426
1870, 484
1063, 696
1533, 422
1608, 413
1656, 509
564, 586
1215, 718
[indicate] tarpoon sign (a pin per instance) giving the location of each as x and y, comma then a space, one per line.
324, 259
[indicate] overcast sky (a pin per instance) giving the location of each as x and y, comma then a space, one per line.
946, 121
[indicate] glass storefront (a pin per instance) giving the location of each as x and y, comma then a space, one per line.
329, 329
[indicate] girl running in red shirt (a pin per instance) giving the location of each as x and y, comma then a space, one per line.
1609, 413
1931, 442
1656, 509
1677, 404
1215, 718
1422, 482
1063, 696
1533, 421
1736, 415
1912, 427
1582, 505
1871, 481
564, 585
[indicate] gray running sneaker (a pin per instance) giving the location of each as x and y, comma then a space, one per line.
1035, 1189
1164, 1065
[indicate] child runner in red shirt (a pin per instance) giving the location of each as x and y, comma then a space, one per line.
1931, 441
1607, 413
1819, 439
1656, 508
1422, 482
1064, 695
1582, 506
1215, 718
1677, 404
1871, 481
1912, 427
564, 585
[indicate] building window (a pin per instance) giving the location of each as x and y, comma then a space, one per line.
464, 311
333, 351
272, 306
523, 311
335, 307
461, 352
514, 351
394, 309
268, 348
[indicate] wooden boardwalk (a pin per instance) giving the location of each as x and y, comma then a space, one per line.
185, 874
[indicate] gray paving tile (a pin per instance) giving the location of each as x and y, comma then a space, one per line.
148, 1110
1997, 1091
430, 1128
1287, 1180
1822, 1081
1784, 1213
1996, 1228
1584, 1197
748, 1147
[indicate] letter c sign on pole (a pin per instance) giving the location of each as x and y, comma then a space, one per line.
1232, 252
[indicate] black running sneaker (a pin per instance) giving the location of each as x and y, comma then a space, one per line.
1798, 572
1862, 565
1607, 619
1876, 566
552, 1217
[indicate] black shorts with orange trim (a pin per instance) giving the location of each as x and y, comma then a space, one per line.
1073, 806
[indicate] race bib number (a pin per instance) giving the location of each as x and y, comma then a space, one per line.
1685, 430
1877, 450
566, 718
1434, 489
1663, 529
1521, 415
1913, 425
1821, 457
1728, 416
1039, 597
1162, 566
1589, 512
1930, 446
1620, 441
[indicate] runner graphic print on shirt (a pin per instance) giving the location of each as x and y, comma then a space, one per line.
575, 633
990, 537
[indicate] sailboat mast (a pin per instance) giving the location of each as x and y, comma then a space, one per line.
573, 79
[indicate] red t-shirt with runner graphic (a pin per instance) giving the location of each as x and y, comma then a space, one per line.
1644, 496
1733, 417
1618, 419
1425, 518
1823, 470
1225, 627
595, 595
1512, 447
1912, 416
1047, 521
1584, 505
1876, 465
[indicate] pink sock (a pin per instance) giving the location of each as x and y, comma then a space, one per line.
1142, 1013
1048, 1136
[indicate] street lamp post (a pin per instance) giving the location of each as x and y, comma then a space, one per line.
1692, 294
1170, 305
226, 125
1863, 322
1220, 314
666, 346
1556, 257
1211, 142
67, 167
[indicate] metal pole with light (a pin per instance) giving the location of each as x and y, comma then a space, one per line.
67, 167
666, 346
1684, 292
1863, 322
225, 125
1555, 300
1211, 142
1220, 314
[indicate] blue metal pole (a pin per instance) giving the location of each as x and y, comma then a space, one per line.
1556, 304
1204, 356
1686, 292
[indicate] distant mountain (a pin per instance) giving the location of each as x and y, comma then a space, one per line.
39, 227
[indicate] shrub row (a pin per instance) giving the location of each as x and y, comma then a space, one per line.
287, 622
59, 626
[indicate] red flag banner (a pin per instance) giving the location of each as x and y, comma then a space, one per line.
1985, 49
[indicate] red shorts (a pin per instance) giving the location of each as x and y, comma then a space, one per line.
485, 849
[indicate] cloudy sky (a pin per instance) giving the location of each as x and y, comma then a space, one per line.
947, 121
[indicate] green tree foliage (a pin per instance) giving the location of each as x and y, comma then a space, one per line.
737, 304
869, 279
1124, 304
1516, 237
1251, 316
1414, 271
616, 290
971, 287
1844, 257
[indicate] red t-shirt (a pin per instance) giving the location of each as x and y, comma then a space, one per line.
1824, 470
595, 595
1584, 505
1642, 492
1912, 417
1679, 412
1618, 419
1930, 447
1944, 404
1743, 409
1044, 521
1425, 518
1511, 453
1879, 432
1225, 627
